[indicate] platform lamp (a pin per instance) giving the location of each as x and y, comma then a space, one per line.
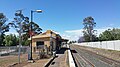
32, 11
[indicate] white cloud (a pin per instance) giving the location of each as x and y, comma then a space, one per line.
111, 24
65, 36
72, 31
8, 33
75, 34
11, 31
72, 34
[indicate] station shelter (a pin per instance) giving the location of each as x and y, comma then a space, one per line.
49, 41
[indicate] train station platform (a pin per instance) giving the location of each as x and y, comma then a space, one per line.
61, 59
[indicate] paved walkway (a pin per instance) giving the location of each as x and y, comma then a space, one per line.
60, 60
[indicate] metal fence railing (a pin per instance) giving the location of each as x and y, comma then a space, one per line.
38, 51
13, 50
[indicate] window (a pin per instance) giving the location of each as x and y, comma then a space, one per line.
40, 44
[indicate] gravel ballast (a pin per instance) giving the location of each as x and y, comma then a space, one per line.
113, 54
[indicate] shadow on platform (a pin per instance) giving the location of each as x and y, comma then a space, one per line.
61, 51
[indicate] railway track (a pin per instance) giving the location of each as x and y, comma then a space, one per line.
84, 58
77, 63
81, 61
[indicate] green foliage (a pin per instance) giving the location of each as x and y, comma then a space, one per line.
11, 40
88, 30
109, 34
22, 25
19, 18
25, 42
35, 29
26, 29
87, 38
1, 39
3, 27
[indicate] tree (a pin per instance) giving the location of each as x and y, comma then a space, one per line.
109, 34
35, 30
17, 23
22, 24
3, 27
88, 30
11, 40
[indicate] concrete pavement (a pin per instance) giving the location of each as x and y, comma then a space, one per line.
61, 59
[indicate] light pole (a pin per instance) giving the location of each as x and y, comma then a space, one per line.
32, 11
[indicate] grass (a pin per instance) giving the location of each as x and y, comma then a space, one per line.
5, 61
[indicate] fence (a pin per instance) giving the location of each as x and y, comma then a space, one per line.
113, 45
13, 50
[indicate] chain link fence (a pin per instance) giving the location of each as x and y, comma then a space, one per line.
38, 52
13, 50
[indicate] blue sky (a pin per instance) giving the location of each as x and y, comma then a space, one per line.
66, 16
